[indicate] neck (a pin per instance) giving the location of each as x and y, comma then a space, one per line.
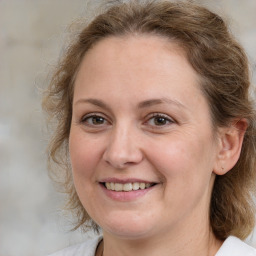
193, 241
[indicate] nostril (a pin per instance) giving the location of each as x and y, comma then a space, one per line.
120, 155
118, 163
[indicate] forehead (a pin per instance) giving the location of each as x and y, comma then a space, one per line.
131, 43
135, 53
144, 65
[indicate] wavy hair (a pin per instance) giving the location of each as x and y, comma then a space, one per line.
222, 65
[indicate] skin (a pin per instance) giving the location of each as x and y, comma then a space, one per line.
127, 82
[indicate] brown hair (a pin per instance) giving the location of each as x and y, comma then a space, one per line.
223, 67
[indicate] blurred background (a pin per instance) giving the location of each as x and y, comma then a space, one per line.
32, 34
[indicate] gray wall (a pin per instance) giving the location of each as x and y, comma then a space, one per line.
31, 37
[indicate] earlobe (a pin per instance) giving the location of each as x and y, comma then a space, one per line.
230, 145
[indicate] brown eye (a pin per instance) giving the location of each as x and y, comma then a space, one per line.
94, 120
160, 120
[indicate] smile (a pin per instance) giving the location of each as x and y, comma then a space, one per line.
126, 187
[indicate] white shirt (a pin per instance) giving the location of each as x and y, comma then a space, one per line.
232, 246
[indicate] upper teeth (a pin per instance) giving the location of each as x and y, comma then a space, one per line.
126, 186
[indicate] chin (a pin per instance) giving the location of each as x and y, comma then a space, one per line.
127, 227
129, 233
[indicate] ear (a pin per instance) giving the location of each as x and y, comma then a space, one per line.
230, 143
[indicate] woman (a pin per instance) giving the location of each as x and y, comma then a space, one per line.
156, 131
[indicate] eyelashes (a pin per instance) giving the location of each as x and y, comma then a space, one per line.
151, 121
159, 119
95, 120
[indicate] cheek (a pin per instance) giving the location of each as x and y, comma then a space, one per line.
172, 155
187, 159
83, 154
185, 166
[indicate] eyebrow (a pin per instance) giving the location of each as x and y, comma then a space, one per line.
143, 104
152, 102
95, 102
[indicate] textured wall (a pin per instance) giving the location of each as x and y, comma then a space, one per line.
31, 37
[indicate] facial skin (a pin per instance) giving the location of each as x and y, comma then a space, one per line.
152, 124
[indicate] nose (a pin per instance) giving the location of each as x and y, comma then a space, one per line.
123, 148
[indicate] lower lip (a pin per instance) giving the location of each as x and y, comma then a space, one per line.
125, 196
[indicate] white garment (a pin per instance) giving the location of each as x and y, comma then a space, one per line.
87, 248
232, 246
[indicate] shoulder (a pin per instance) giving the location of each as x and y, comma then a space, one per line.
233, 246
87, 248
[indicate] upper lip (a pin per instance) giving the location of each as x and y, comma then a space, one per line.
127, 180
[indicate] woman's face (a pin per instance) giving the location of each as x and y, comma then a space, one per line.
141, 142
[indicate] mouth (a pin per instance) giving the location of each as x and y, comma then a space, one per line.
126, 187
